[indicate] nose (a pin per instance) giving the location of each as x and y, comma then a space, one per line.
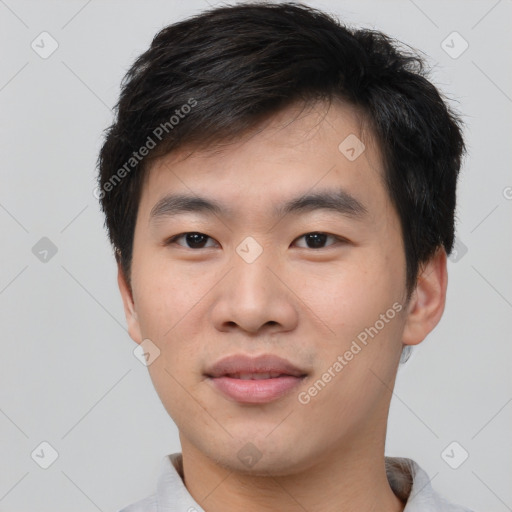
255, 298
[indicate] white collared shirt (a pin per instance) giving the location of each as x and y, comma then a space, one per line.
407, 480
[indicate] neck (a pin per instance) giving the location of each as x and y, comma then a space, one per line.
351, 478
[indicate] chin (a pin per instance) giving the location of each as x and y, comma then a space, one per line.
261, 456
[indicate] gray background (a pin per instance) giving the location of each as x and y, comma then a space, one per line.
68, 374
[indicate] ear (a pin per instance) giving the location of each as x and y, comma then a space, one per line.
129, 306
427, 302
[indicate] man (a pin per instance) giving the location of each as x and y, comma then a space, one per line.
280, 193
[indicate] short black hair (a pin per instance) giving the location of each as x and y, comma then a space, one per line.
212, 77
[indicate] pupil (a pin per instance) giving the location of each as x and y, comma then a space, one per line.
318, 239
195, 239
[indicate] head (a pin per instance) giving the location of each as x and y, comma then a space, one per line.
320, 168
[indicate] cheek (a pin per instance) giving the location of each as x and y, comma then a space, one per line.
352, 296
170, 386
169, 309
361, 307
165, 296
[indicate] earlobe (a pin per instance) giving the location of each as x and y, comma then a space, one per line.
129, 306
428, 300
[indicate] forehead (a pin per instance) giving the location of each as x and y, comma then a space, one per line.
294, 152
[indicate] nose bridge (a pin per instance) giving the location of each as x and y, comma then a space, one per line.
253, 282
252, 296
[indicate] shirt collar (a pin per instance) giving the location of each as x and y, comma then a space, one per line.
406, 478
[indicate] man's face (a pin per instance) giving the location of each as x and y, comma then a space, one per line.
310, 285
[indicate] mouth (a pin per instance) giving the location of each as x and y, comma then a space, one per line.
251, 380
255, 376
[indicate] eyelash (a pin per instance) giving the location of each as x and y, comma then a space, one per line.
172, 240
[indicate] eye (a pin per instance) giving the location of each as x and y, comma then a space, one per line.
196, 240
316, 240
193, 239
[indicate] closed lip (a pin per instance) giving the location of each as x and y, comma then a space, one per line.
237, 364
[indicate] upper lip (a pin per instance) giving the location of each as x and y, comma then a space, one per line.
241, 363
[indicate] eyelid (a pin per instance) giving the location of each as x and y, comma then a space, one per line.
172, 239
339, 239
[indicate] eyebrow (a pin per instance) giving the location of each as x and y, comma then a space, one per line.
338, 201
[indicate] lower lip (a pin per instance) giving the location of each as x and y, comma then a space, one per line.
256, 391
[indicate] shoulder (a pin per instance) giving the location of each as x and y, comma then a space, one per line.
148, 504
171, 493
412, 484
